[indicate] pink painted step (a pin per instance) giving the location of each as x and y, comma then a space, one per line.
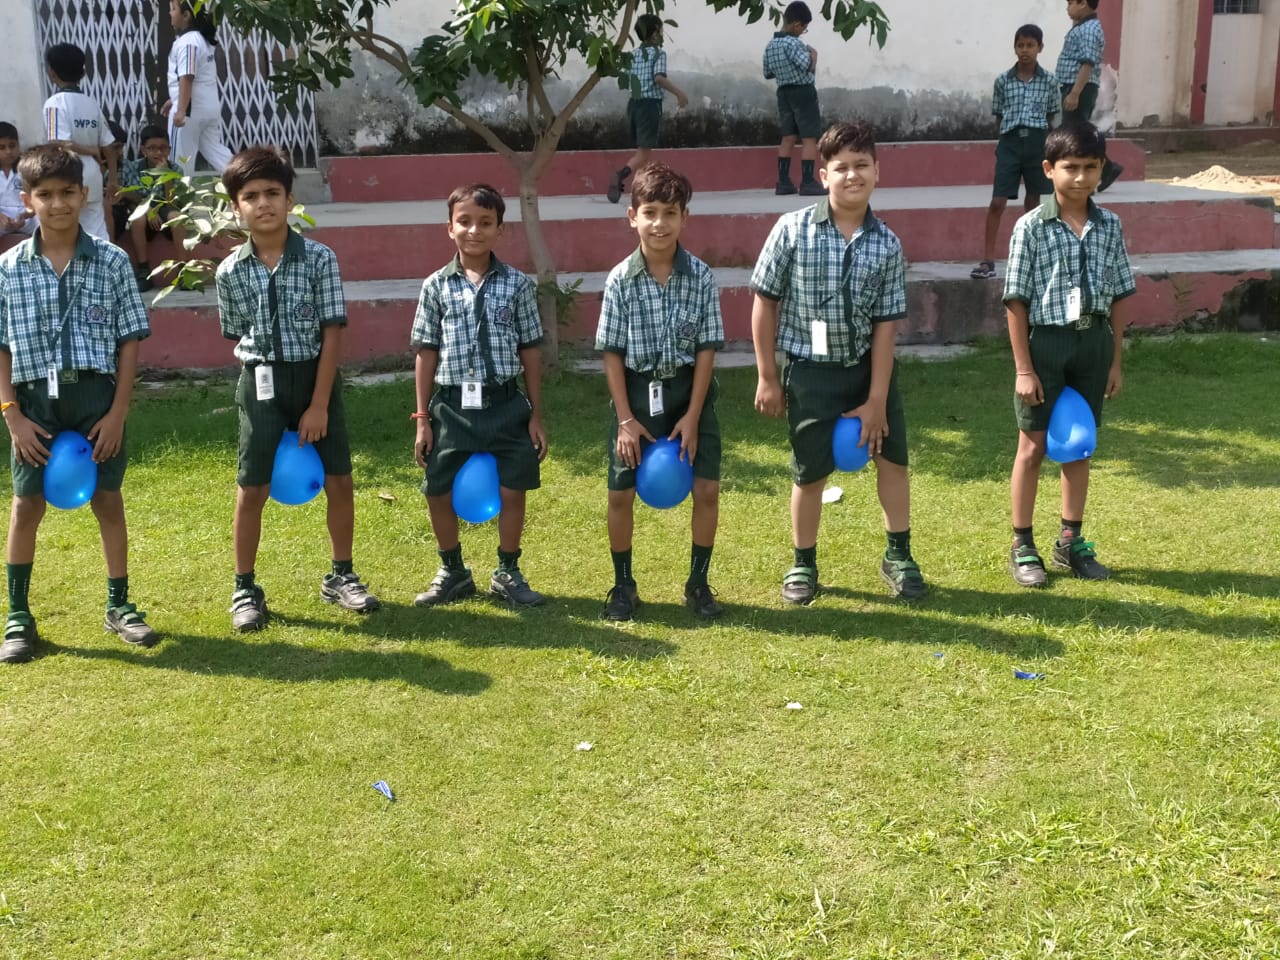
587, 172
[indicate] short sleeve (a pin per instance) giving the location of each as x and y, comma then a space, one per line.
524, 306
57, 120
710, 322
997, 96
660, 63
131, 313
798, 54
326, 285
105, 137
892, 302
1055, 99
428, 318
611, 331
228, 317
772, 274
4, 310
1092, 45
1125, 284
1018, 269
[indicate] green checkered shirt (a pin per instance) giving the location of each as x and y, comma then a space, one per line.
1083, 43
479, 331
787, 60
647, 62
132, 172
807, 265
1047, 259
660, 327
73, 322
1025, 103
277, 315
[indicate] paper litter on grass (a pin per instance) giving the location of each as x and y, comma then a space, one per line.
832, 495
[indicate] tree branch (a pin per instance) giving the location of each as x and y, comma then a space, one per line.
475, 126
384, 48
537, 91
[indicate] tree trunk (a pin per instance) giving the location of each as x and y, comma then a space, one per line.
544, 266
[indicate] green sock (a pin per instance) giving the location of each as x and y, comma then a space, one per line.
899, 545
622, 568
508, 560
452, 559
342, 567
244, 581
806, 170
19, 585
699, 564
117, 591
807, 556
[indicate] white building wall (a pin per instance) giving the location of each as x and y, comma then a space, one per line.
1233, 82
21, 90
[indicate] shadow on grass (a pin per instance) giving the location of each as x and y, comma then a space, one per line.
1264, 586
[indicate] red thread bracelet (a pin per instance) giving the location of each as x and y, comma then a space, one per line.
419, 416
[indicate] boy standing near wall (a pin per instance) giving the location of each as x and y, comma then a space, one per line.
1079, 66
792, 64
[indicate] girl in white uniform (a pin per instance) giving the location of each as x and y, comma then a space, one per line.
194, 108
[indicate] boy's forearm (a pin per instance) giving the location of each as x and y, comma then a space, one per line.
424, 377
7, 392
1019, 336
531, 360
1082, 78
126, 372
884, 336
184, 94
764, 336
703, 366
327, 366
670, 87
1120, 313
615, 376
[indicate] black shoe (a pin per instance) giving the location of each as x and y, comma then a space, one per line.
448, 586
800, 585
131, 625
621, 602
1026, 566
20, 638
784, 188
511, 586
903, 578
348, 592
249, 609
1077, 555
142, 273
1110, 174
812, 188
614, 193
702, 601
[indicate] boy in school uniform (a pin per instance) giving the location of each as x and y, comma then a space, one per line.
644, 109
476, 327
133, 191
14, 216
75, 121
70, 323
660, 328
1078, 70
1024, 100
1066, 295
792, 64
829, 286
280, 297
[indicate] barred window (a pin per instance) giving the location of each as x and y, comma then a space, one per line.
1235, 6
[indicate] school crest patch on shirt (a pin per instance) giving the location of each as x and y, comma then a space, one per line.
95, 314
306, 311
505, 315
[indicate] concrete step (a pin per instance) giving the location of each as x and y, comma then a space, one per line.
944, 305
373, 179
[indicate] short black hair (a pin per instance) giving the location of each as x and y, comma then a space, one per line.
202, 21
8, 131
49, 162
257, 163
647, 24
857, 135
1029, 30
1093, 4
482, 195
1075, 140
152, 131
797, 12
66, 60
658, 183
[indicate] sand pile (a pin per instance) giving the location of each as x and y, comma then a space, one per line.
1220, 178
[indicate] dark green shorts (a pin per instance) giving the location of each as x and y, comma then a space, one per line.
79, 406
798, 114
1067, 357
644, 122
263, 422
817, 394
1084, 109
676, 392
1020, 159
501, 427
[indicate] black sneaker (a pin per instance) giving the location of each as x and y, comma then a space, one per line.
1026, 566
131, 625
621, 602
142, 274
1110, 174
249, 609
348, 592
448, 586
812, 188
785, 188
1077, 555
702, 601
20, 638
614, 193
903, 578
511, 586
800, 585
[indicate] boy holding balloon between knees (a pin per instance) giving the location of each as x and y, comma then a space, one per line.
829, 286
1065, 293
280, 297
660, 328
476, 327
70, 322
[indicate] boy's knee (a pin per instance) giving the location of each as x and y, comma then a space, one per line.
510, 496
28, 510
1031, 447
107, 502
706, 493
339, 484
252, 497
622, 499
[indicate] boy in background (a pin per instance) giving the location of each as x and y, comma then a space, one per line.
138, 183
660, 328
1024, 99
75, 121
14, 215
792, 64
1079, 67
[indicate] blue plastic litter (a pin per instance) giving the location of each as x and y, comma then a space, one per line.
1024, 675
939, 655
382, 788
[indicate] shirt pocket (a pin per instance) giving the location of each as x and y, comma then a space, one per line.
684, 328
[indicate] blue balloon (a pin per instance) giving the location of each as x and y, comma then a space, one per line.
70, 476
476, 497
1073, 434
844, 445
298, 474
663, 480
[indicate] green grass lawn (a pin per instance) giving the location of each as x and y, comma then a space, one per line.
212, 797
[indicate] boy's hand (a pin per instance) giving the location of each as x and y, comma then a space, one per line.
314, 425
423, 443
686, 430
1071, 101
1115, 381
1029, 389
629, 435
166, 107
682, 101
6, 223
26, 435
769, 398
179, 118
539, 437
875, 425
106, 436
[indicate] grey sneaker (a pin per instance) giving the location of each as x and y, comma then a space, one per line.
249, 609
1026, 566
903, 578
511, 586
131, 625
448, 586
348, 592
20, 637
800, 585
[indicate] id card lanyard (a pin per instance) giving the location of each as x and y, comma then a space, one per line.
61, 334
656, 404
1075, 295
264, 378
473, 384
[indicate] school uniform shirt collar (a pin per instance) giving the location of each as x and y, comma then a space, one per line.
1012, 73
1049, 209
637, 266
780, 33
822, 214
295, 248
84, 246
454, 267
